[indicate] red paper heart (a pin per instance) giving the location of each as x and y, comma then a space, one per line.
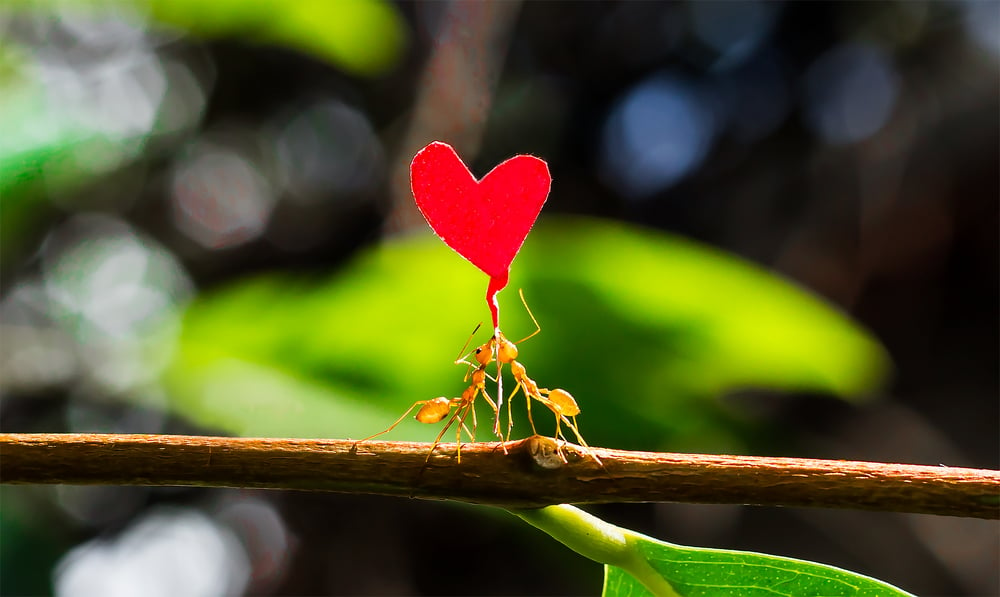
485, 221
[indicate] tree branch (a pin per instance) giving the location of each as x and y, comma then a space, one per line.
532, 475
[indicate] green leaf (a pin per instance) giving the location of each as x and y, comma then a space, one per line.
643, 328
363, 37
639, 566
751, 327
698, 572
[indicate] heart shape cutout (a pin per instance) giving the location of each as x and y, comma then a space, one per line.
485, 221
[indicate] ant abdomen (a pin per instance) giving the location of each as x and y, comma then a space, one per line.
434, 410
564, 402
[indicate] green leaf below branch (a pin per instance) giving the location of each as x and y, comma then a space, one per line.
637, 565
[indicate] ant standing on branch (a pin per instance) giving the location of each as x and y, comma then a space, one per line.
503, 351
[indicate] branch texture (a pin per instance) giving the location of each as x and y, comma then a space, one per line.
531, 474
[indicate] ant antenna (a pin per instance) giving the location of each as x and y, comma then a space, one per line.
538, 328
461, 355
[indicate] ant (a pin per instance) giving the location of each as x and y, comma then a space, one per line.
503, 351
559, 401
436, 409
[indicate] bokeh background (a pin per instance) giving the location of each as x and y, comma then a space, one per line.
772, 230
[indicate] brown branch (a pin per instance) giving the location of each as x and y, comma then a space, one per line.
533, 474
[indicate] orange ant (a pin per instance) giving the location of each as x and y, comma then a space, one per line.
436, 409
559, 401
499, 348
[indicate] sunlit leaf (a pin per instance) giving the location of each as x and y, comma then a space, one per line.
694, 572
640, 566
364, 37
643, 328
753, 327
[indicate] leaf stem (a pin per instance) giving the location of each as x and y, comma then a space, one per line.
597, 540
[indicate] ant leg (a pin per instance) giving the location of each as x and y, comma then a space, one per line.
510, 414
468, 432
475, 424
458, 438
468, 398
493, 405
528, 400
487, 397
496, 405
499, 380
437, 440
469, 407
571, 422
496, 414
398, 421
559, 435
539, 396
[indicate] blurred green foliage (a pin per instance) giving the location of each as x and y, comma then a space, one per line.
34, 141
362, 37
31, 544
47, 146
646, 330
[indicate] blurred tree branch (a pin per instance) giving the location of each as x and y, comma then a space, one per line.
532, 475
455, 92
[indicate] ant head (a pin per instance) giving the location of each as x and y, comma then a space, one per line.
484, 354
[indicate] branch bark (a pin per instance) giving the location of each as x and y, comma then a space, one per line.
532, 474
